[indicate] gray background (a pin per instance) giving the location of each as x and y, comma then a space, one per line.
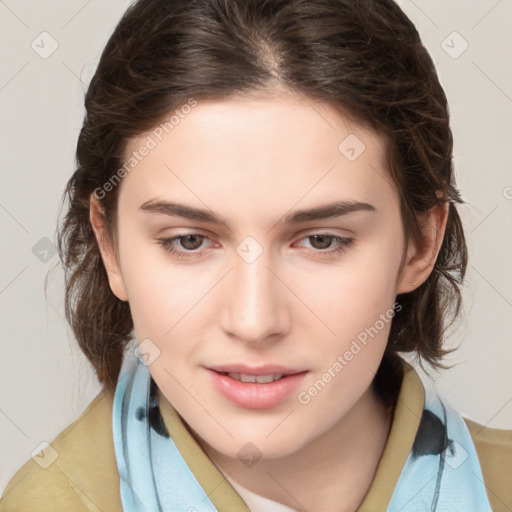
45, 381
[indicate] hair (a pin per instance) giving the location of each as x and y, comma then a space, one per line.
362, 57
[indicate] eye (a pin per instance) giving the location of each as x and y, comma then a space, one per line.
322, 241
190, 242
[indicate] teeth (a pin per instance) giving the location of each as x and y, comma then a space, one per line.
262, 379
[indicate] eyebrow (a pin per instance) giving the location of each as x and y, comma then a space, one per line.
321, 212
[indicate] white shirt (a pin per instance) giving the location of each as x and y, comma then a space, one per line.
257, 503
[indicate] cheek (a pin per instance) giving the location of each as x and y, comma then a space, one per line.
167, 310
153, 295
358, 309
351, 296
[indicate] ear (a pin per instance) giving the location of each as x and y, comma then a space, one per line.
115, 277
420, 260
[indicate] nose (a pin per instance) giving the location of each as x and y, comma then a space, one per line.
254, 305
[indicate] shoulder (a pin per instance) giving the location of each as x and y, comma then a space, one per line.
494, 450
77, 471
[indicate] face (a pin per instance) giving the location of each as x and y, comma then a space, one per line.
253, 284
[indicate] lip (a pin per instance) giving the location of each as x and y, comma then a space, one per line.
264, 369
255, 395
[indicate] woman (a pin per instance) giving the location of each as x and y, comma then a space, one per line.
265, 204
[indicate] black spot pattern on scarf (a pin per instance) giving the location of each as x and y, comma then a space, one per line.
139, 414
156, 422
431, 438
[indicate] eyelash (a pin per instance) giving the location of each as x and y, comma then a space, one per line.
167, 244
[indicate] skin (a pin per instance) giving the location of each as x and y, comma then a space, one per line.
291, 305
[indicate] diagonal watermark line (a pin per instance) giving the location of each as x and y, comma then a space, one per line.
198, 301
78, 422
3, 2
487, 281
14, 423
410, 410
191, 190
83, 83
492, 492
15, 485
199, 403
224, 479
14, 76
317, 111
302, 508
75, 485
75, 15
301, 300
494, 416
279, 423
14, 218
492, 81
12, 280
418, 492
424, 14
300, 199
485, 15
384, 177
492, 211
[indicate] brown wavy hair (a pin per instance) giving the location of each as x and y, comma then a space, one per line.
363, 57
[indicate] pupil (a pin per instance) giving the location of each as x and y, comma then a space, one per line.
187, 238
325, 238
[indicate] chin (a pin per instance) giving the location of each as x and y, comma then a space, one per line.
276, 446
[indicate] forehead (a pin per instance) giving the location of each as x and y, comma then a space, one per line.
265, 152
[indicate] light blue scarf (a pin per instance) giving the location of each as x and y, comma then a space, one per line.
441, 474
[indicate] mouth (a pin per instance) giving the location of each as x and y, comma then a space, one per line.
263, 369
261, 379
255, 388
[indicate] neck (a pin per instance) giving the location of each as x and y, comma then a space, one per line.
332, 473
